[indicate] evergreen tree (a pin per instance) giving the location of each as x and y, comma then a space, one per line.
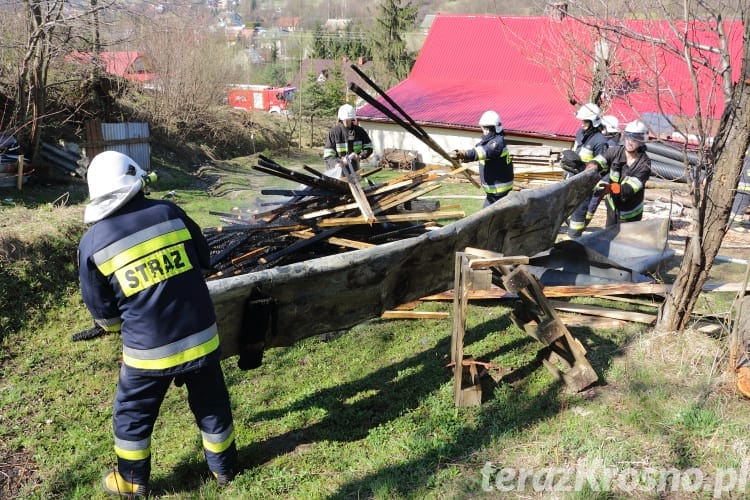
392, 61
319, 48
322, 99
349, 43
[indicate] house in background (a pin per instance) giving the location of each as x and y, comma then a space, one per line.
125, 64
525, 69
323, 67
333, 25
288, 23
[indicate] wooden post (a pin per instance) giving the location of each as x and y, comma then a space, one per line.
460, 302
19, 181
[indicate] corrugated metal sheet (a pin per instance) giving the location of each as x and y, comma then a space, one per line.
518, 66
124, 137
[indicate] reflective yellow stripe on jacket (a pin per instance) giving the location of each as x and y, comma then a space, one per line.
187, 349
147, 257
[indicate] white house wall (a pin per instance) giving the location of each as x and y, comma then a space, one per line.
391, 136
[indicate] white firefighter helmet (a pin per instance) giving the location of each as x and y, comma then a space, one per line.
636, 131
490, 119
611, 124
590, 112
347, 112
113, 179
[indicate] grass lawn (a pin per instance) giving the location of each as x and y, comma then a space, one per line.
366, 413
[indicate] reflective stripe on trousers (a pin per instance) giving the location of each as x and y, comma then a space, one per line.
136, 407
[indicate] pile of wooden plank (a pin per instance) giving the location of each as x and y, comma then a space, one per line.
325, 215
536, 163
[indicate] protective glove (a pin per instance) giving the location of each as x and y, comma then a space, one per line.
571, 162
601, 189
592, 165
457, 154
91, 333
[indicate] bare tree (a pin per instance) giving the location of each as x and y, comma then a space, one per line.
37, 35
698, 38
43, 19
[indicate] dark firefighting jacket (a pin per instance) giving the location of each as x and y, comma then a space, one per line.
495, 165
589, 143
632, 179
140, 274
342, 141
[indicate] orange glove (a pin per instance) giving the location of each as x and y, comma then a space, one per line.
614, 188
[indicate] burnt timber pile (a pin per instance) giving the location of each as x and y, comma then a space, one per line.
281, 305
323, 216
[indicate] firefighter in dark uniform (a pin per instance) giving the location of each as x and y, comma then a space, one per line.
589, 142
611, 129
495, 165
629, 167
140, 275
346, 137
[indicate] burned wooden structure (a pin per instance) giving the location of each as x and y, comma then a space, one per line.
325, 215
278, 306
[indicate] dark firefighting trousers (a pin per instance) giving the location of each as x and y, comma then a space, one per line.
137, 405
581, 216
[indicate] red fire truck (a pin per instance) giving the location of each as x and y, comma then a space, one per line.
261, 98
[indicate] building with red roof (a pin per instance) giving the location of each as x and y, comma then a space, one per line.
125, 64
534, 71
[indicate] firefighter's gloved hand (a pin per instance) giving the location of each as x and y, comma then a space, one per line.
614, 188
571, 162
457, 154
592, 165
91, 333
602, 188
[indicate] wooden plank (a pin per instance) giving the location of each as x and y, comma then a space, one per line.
499, 261
384, 204
573, 320
380, 219
249, 255
359, 196
458, 328
330, 211
344, 242
19, 180
648, 319
395, 314
348, 243
588, 291
391, 201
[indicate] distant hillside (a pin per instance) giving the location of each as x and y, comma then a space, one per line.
314, 12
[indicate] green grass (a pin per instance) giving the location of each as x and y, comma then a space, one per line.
367, 413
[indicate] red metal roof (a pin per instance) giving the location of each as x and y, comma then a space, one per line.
529, 68
125, 64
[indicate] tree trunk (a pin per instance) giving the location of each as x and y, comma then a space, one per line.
711, 214
32, 84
